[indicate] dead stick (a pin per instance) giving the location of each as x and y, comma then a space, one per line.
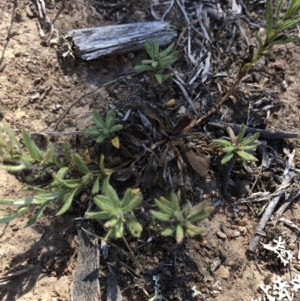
16, 274
262, 133
283, 207
270, 209
8, 35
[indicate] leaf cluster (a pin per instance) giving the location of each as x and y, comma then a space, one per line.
160, 60
70, 175
117, 212
179, 220
237, 145
16, 159
275, 27
104, 128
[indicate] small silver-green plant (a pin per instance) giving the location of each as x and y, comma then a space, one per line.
104, 128
160, 60
117, 212
179, 219
237, 146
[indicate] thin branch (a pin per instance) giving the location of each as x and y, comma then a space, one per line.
272, 205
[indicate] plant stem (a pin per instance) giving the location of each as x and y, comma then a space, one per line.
130, 251
226, 176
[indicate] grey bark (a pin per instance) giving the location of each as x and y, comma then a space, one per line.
91, 43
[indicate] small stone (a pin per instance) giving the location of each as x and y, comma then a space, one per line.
243, 230
221, 235
156, 260
15, 228
222, 272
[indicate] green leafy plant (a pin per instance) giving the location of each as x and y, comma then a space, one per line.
117, 212
105, 128
16, 159
179, 220
68, 176
237, 145
275, 28
160, 60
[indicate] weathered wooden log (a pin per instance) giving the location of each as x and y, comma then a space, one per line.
86, 285
91, 43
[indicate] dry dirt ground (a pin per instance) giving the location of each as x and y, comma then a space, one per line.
48, 249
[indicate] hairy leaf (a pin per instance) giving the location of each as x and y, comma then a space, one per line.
98, 119
99, 215
143, 68
250, 140
222, 142
134, 227
160, 216
179, 234
168, 231
246, 156
80, 164
227, 158
241, 134
134, 202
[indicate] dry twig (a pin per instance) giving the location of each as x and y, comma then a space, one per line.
270, 209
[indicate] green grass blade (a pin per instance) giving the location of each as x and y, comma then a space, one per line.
269, 17
258, 39
278, 10
285, 41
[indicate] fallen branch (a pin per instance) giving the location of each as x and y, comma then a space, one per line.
272, 205
91, 43
16, 274
85, 285
262, 133
294, 195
